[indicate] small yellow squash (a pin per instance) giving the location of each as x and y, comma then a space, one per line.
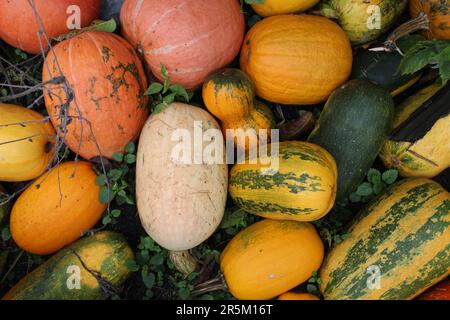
26, 143
271, 257
275, 7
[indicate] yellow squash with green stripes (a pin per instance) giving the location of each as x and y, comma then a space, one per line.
86, 270
299, 184
428, 155
397, 247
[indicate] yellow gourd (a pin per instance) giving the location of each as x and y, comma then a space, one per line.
26, 143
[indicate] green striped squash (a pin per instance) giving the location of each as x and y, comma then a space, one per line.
401, 239
100, 258
300, 185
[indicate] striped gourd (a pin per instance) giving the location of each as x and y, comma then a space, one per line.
403, 237
419, 146
99, 261
302, 188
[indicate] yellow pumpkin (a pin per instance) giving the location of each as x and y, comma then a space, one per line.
429, 155
275, 7
299, 184
296, 59
26, 143
229, 95
297, 296
57, 208
271, 257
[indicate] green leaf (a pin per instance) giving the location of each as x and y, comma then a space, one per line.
184, 293
148, 278
106, 195
130, 158
118, 157
115, 174
354, 197
374, 176
365, 189
160, 108
130, 148
233, 218
157, 260
100, 180
132, 265
97, 25
180, 91
166, 86
6, 234
106, 220
154, 88
116, 213
390, 176
164, 73
378, 187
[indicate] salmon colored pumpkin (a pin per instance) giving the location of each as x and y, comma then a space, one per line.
296, 59
19, 25
275, 7
441, 291
271, 257
297, 296
108, 82
190, 38
26, 143
438, 13
56, 209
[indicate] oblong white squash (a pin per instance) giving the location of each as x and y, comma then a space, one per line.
180, 203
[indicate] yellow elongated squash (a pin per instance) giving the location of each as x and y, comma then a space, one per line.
397, 247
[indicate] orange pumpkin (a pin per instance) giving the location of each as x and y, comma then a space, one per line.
190, 38
441, 291
108, 82
297, 296
438, 13
19, 26
56, 209
296, 59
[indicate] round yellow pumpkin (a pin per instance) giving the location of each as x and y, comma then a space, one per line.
275, 7
271, 257
297, 296
296, 59
57, 208
26, 143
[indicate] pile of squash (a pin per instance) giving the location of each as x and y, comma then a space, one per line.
301, 53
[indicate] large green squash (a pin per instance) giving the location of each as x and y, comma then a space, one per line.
364, 20
419, 145
397, 247
103, 254
353, 127
381, 68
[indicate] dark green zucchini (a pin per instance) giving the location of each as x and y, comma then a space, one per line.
381, 68
353, 127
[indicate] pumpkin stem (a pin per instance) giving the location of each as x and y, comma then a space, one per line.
326, 11
183, 261
215, 284
420, 23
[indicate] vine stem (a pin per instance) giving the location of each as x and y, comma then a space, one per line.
421, 22
215, 284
